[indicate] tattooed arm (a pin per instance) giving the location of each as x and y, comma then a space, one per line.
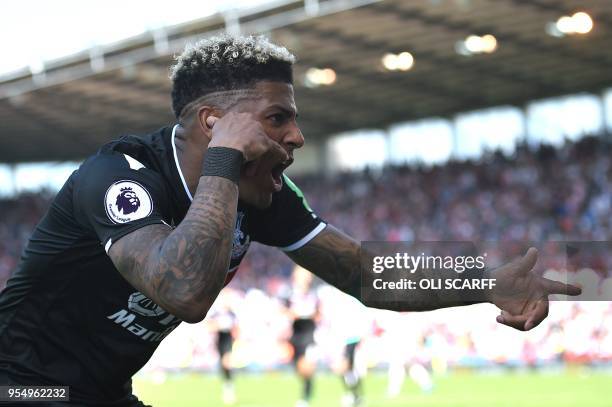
183, 270
521, 295
334, 257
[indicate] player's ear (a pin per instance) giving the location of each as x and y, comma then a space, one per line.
206, 117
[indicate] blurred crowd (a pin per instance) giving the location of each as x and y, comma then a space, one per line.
576, 332
18, 217
537, 195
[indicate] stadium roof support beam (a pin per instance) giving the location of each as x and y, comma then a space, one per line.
160, 41
232, 22
262, 19
311, 7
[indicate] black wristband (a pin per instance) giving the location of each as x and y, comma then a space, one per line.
223, 162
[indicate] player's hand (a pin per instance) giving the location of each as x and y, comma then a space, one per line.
522, 295
241, 131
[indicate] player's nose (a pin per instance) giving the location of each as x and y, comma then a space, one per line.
294, 139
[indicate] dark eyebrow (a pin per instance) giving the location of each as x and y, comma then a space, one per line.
285, 110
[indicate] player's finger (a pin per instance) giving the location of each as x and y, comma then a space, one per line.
526, 263
513, 321
557, 287
539, 313
210, 121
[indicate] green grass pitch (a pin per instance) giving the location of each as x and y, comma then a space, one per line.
570, 388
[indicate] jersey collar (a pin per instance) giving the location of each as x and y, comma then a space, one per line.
178, 166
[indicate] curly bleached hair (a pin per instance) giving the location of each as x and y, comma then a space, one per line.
226, 63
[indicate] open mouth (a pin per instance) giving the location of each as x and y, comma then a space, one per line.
277, 173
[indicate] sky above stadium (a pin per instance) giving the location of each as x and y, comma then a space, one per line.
33, 32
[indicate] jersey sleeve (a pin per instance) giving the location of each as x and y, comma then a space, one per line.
114, 195
289, 223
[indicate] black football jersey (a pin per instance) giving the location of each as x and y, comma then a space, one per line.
67, 316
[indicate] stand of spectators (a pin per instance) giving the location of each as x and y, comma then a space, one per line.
18, 217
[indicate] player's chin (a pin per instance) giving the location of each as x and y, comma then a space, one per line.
258, 191
259, 198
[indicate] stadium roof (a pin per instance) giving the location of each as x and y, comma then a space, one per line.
76, 103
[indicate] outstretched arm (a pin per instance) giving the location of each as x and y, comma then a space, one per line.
521, 295
336, 258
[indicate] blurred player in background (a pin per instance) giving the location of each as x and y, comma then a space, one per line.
351, 376
353, 365
407, 337
222, 320
303, 308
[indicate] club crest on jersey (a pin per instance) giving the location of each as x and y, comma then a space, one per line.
126, 201
241, 241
